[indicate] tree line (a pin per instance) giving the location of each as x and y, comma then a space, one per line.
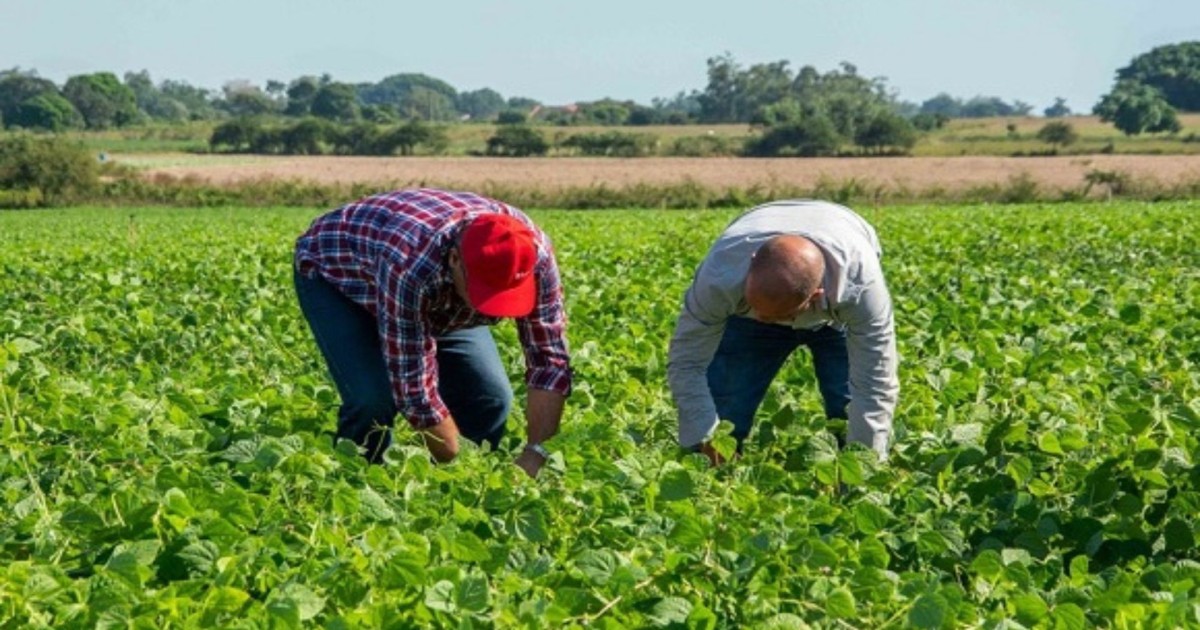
802, 112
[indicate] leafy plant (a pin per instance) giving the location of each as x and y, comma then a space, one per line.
166, 456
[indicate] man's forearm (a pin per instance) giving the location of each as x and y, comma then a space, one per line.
543, 411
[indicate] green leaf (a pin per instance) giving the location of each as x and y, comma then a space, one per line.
1130, 314
929, 611
870, 518
840, 604
440, 597
597, 565
1030, 608
988, 564
405, 567
531, 524
295, 603
1048, 443
1069, 616
467, 547
688, 531
1178, 535
472, 594
373, 506
702, 618
200, 557
225, 599
676, 485
670, 610
784, 621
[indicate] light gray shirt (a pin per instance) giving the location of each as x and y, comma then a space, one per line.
856, 300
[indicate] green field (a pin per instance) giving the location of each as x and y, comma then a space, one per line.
165, 459
963, 136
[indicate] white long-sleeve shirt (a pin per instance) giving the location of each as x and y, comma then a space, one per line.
856, 299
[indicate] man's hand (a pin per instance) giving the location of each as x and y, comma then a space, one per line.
710, 451
531, 462
442, 440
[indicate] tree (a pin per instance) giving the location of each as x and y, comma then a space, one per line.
381, 114
150, 99
363, 138
102, 100
199, 102
47, 111
1059, 109
336, 101
305, 137
810, 137
719, 101
1057, 133
512, 117
887, 130
237, 135
17, 87
300, 94
427, 104
522, 103
411, 134
604, 112
929, 122
413, 95
480, 104
1174, 70
943, 104
517, 141
243, 98
1136, 108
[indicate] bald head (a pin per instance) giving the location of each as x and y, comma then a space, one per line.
785, 273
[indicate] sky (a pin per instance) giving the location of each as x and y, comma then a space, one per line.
565, 51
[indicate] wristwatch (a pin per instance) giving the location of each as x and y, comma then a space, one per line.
539, 449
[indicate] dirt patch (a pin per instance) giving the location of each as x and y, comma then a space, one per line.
920, 173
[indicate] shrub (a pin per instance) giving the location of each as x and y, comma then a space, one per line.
517, 141
1057, 133
612, 144
704, 146
235, 136
45, 170
812, 137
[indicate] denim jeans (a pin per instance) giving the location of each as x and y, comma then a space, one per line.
751, 354
471, 377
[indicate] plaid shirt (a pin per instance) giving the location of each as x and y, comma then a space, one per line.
388, 253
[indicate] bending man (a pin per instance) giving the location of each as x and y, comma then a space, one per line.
784, 275
399, 290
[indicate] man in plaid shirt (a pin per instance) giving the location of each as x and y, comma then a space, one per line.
399, 290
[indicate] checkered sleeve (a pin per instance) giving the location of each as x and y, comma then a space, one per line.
543, 334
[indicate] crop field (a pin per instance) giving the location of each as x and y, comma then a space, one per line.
165, 458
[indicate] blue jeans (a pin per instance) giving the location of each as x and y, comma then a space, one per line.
471, 377
751, 354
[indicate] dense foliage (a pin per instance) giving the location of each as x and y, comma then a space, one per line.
733, 93
165, 458
36, 171
1173, 69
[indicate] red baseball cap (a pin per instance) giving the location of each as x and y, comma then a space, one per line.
499, 253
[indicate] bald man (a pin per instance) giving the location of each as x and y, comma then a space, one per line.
784, 275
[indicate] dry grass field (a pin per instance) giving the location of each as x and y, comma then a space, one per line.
915, 173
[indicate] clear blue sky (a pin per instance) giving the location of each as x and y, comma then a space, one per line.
562, 51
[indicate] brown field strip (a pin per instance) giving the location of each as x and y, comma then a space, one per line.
912, 173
